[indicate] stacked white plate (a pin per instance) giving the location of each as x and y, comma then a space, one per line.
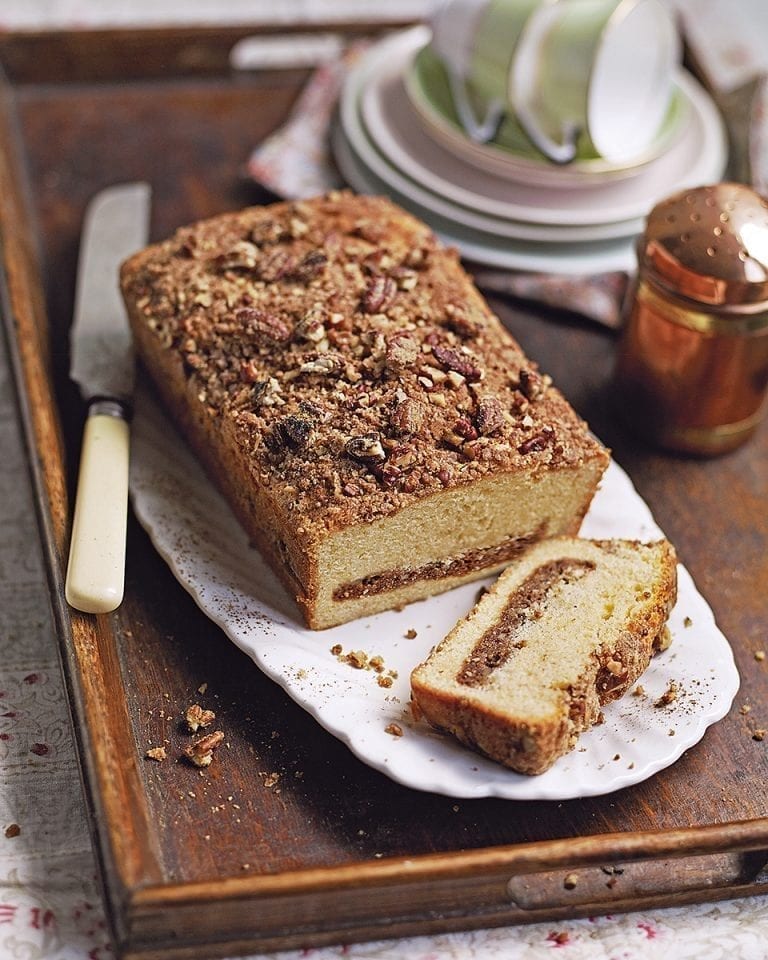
397, 136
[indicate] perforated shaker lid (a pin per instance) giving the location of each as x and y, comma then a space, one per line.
710, 244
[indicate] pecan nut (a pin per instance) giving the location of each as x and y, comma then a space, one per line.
489, 417
264, 324
379, 294
366, 448
200, 753
458, 362
294, 432
407, 417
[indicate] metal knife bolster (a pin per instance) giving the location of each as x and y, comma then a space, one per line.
110, 407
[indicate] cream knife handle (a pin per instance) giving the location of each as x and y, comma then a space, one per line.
96, 569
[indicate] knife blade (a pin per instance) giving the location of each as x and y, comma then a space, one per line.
116, 224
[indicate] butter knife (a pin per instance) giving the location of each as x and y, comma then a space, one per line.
116, 225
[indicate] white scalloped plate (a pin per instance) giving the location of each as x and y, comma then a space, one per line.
193, 529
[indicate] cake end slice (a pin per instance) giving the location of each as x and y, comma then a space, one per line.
568, 627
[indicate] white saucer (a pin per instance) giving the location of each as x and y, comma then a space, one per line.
575, 259
393, 143
378, 101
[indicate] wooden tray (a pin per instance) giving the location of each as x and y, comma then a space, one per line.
236, 859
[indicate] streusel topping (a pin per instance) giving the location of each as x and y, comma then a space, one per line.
338, 332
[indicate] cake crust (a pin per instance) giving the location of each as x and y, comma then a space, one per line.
334, 367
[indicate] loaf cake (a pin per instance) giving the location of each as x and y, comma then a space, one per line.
568, 627
379, 434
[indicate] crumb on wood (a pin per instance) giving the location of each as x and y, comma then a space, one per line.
156, 753
571, 881
760, 655
200, 753
196, 717
271, 779
202, 688
745, 708
12, 830
759, 734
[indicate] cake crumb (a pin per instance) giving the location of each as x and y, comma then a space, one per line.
271, 779
760, 655
357, 659
384, 681
745, 708
156, 753
571, 881
200, 753
202, 688
410, 634
12, 830
394, 729
759, 734
336, 649
195, 717
639, 691
669, 695
687, 622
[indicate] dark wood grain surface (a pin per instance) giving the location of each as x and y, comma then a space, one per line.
287, 803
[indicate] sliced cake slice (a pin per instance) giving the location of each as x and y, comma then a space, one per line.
568, 627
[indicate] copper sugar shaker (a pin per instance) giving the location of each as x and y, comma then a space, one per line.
692, 367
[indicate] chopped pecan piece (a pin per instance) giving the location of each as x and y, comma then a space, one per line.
196, 717
532, 444
365, 448
249, 371
490, 415
533, 384
277, 266
265, 324
401, 352
200, 753
379, 294
294, 432
310, 267
388, 474
312, 325
465, 429
324, 363
458, 362
458, 321
243, 256
407, 417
